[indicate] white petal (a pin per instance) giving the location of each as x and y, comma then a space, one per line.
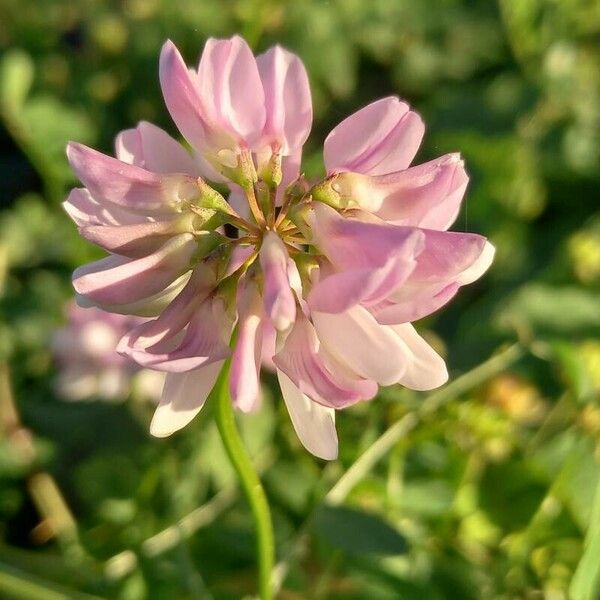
314, 424
358, 341
425, 369
184, 395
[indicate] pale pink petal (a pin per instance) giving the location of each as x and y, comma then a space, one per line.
150, 306
382, 137
205, 341
287, 99
151, 148
182, 95
351, 243
244, 380
357, 340
341, 290
134, 188
176, 315
425, 368
120, 281
231, 89
316, 374
184, 395
314, 424
428, 195
280, 304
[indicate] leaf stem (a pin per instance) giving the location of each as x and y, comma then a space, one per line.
249, 481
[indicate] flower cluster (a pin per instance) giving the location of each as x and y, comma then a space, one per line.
319, 281
88, 363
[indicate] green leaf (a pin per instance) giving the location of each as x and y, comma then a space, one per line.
586, 581
544, 308
357, 532
16, 77
569, 358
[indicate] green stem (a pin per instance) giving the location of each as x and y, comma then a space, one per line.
249, 480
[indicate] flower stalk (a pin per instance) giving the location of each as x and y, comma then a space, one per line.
249, 480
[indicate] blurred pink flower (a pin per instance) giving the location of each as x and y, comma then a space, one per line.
89, 365
321, 282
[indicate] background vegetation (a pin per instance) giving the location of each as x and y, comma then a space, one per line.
488, 489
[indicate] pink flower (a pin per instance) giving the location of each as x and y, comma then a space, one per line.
320, 283
88, 362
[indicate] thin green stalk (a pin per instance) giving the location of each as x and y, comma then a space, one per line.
249, 481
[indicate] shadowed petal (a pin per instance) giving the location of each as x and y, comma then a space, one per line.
244, 380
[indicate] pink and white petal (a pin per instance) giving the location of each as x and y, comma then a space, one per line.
244, 380
184, 395
415, 303
181, 91
151, 148
314, 424
84, 210
315, 374
131, 187
135, 240
448, 261
279, 301
425, 368
116, 280
450, 256
479, 267
380, 138
287, 99
359, 342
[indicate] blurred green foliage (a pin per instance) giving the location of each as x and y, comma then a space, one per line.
497, 496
